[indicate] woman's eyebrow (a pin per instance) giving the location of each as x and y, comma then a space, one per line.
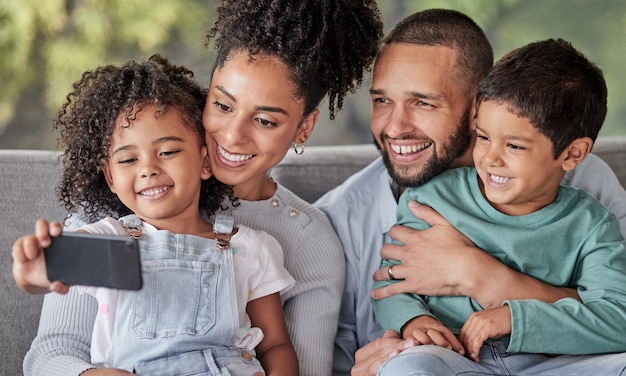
257, 108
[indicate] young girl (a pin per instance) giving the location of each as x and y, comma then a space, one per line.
134, 147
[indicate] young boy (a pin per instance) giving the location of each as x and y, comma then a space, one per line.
538, 114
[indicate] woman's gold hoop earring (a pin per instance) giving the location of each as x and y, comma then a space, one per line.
299, 150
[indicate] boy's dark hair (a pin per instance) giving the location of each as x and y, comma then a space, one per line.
553, 85
326, 44
87, 119
452, 29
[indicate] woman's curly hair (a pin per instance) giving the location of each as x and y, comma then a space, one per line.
87, 119
327, 44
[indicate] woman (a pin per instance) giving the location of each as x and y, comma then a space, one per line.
276, 61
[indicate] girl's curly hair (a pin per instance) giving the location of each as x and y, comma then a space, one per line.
327, 44
87, 119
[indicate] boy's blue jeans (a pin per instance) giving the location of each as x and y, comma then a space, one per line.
495, 360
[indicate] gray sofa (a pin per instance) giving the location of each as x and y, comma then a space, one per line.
28, 178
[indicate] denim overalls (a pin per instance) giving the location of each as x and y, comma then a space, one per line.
184, 319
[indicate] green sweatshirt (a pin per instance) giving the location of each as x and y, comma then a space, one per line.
573, 242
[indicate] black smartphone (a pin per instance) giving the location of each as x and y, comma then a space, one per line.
94, 260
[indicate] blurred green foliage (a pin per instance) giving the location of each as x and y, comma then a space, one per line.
45, 45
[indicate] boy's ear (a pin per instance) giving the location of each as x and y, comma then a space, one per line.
473, 115
107, 175
306, 127
576, 152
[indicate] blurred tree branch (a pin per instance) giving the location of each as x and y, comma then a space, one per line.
45, 46
49, 44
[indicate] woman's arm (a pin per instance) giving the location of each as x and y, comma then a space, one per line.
63, 341
311, 307
275, 352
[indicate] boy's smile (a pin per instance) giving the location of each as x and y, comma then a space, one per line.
515, 163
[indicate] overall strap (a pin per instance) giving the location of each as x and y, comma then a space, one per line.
223, 229
132, 225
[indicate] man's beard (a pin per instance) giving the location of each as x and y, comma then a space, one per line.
456, 146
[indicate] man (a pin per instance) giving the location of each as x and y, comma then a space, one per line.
423, 87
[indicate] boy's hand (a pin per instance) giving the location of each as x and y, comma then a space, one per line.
490, 323
29, 264
427, 330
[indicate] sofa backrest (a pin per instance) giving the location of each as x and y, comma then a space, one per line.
28, 178
322, 168
26, 193
319, 169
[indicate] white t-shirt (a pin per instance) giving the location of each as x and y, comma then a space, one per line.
259, 271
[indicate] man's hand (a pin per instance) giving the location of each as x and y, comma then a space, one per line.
427, 330
480, 326
440, 261
434, 262
29, 265
370, 357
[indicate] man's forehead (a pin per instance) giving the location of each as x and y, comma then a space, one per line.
415, 52
415, 69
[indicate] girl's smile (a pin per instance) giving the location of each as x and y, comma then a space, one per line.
156, 167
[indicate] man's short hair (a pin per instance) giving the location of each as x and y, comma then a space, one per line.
453, 29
